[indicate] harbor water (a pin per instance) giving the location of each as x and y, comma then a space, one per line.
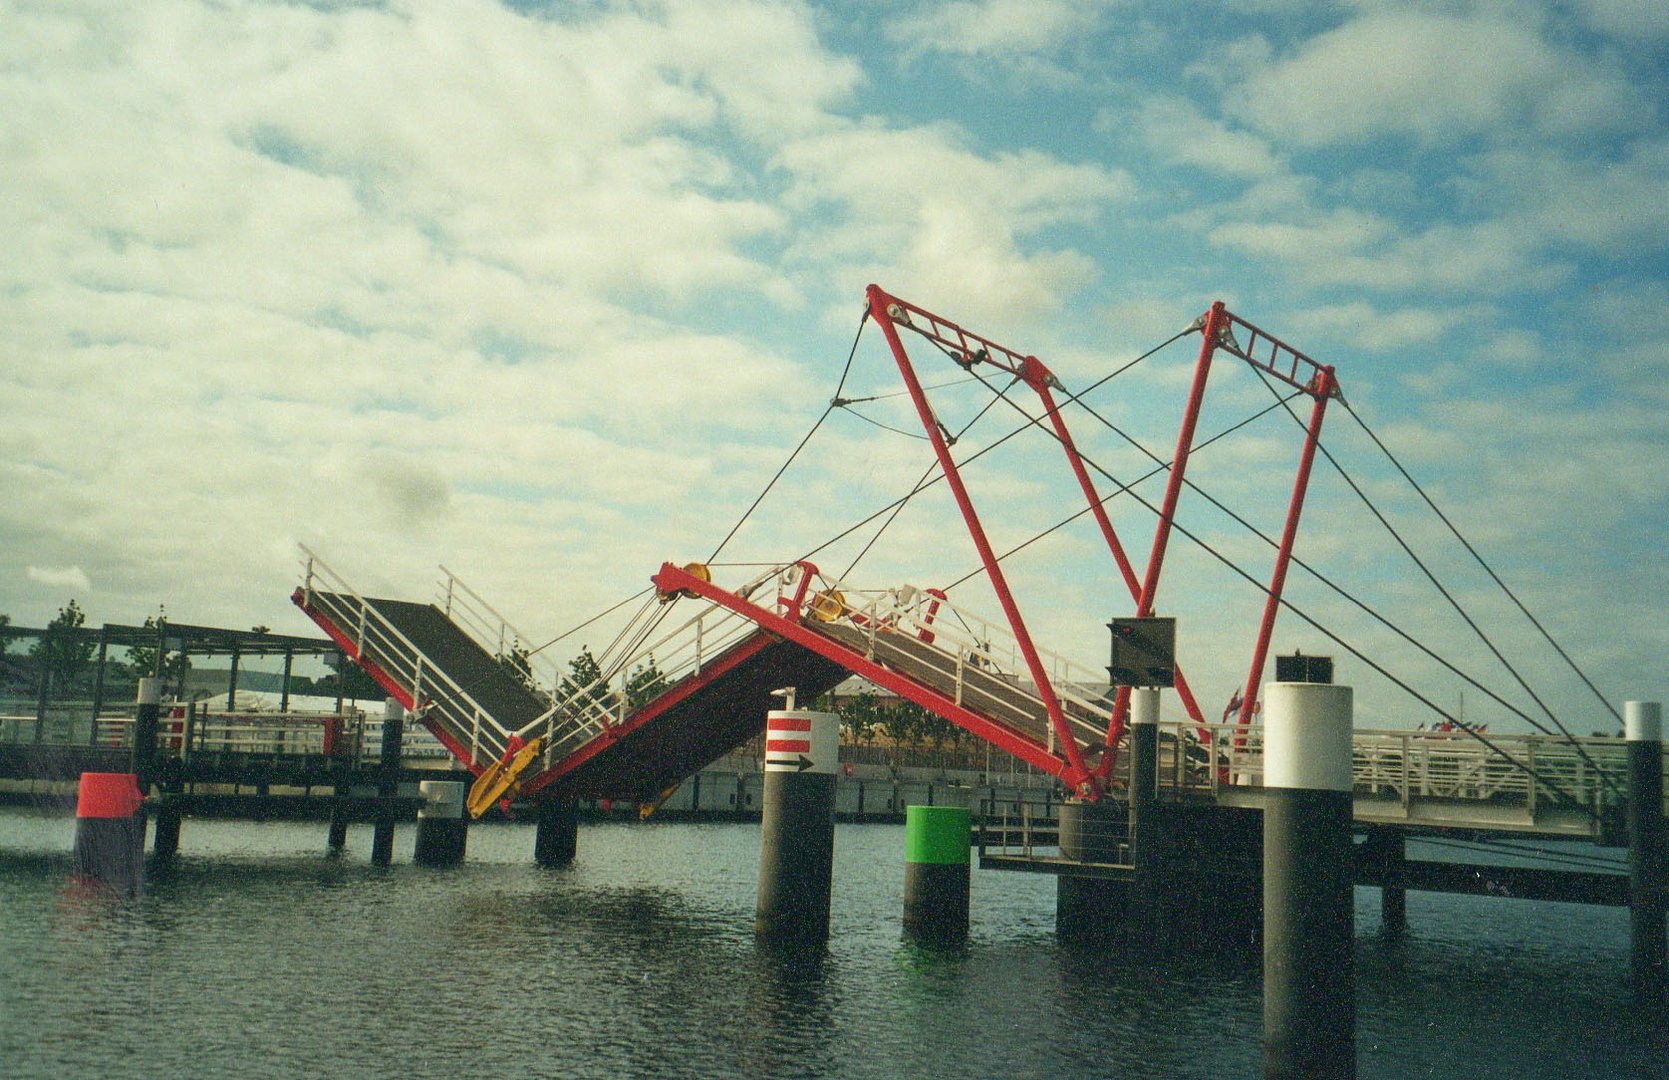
260, 956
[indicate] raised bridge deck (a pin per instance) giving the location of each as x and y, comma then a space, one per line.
720, 665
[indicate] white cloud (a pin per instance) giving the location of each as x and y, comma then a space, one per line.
545, 297
932, 219
1365, 327
1178, 132
60, 577
1434, 78
433, 279
1612, 206
1002, 28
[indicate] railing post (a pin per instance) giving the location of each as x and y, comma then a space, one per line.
146, 710
1407, 774
98, 682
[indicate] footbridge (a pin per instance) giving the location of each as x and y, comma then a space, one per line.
719, 652
692, 673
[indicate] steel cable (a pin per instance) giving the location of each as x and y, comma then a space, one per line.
1306, 617
1480, 559
1447, 595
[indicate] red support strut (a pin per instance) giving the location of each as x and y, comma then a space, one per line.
1323, 388
886, 311
1121, 704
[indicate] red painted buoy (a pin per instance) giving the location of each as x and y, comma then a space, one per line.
110, 830
107, 795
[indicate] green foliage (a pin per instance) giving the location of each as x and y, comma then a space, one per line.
906, 723
865, 717
517, 664
646, 683
862, 716
584, 681
5, 643
142, 659
61, 654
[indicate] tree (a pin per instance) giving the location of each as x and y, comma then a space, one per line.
939, 731
516, 663
142, 659
5, 642
646, 683
62, 653
862, 716
584, 682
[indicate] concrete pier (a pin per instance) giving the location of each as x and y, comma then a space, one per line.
442, 825
936, 873
110, 831
556, 837
1091, 909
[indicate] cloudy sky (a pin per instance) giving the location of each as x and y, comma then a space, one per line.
547, 292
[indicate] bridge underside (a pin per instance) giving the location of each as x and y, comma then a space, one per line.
644, 752
697, 728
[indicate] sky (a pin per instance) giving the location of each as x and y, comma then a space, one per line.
547, 292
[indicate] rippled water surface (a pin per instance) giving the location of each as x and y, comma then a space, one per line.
259, 956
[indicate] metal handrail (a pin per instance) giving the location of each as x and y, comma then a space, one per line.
471, 613
485, 732
289, 733
1409, 764
585, 712
904, 610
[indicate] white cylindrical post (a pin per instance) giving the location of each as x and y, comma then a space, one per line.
442, 826
1309, 925
796, 844
1648, 908
1148, 900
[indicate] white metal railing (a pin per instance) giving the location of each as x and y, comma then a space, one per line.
971, 658
494, 633
1415, 764
382, 643
979, 660
583, 712
279, 734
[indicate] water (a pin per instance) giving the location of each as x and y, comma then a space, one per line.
259, 956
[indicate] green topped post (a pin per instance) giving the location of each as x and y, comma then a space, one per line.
936, 872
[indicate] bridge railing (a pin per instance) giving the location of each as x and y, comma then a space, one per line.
184, 730
494, 633
1412, 764
650, 663
979, 660
380, 642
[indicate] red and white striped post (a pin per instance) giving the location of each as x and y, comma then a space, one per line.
796, 843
